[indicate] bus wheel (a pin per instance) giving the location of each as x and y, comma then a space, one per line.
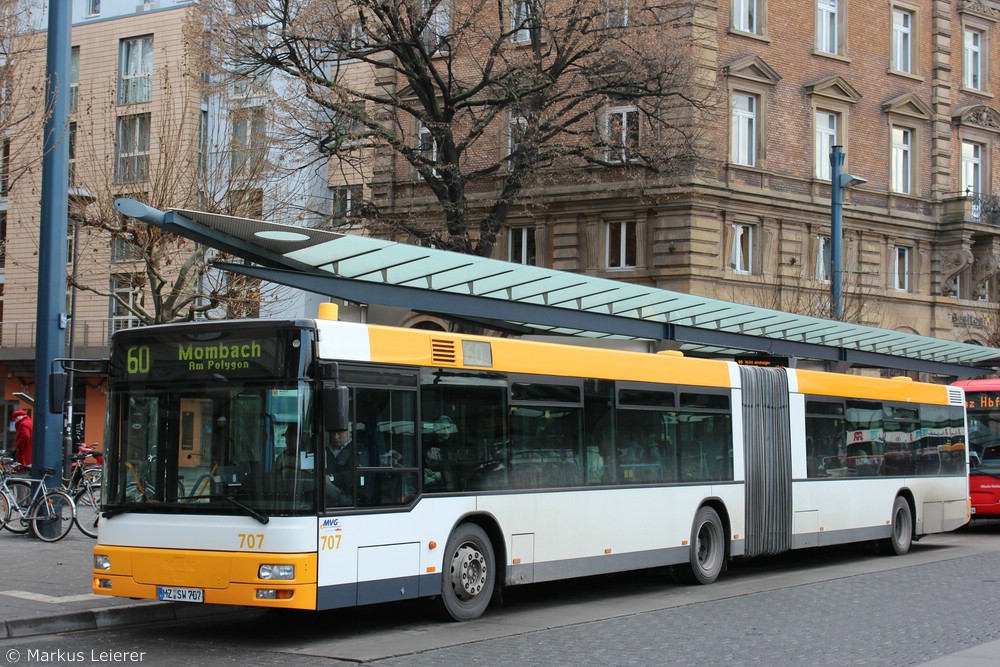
708, 547
902, 529
469, 577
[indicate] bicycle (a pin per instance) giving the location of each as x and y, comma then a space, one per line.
48, 513
84, 487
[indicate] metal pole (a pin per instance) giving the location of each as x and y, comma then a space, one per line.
836, 231
70, 374
50, 340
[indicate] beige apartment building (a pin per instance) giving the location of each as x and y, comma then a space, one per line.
907, 88
132, 102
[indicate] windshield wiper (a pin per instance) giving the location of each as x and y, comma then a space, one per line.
263, 518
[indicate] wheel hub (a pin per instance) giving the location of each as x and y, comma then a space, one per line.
468, 573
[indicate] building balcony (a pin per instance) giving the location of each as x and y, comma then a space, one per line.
975, 208
91, 338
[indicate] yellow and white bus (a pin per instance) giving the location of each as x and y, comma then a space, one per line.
314, 464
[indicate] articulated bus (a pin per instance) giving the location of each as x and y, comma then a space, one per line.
316, 464
982, 401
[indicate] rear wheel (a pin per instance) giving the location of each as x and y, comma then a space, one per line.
469, 575
51, 518
88, 510
20, 495
898, 543
708, 547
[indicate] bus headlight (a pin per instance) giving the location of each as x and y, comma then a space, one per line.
101, 562
272, 572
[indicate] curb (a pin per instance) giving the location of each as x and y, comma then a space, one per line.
113, 617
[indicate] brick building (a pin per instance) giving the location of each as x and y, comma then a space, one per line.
906, 88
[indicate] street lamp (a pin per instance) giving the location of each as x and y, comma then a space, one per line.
838, 181
79, 198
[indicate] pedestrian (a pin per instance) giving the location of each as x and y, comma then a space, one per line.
22, 437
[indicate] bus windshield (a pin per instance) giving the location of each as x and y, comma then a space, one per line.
207, 447
211, 424
984, 441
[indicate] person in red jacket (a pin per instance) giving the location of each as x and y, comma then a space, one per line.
22, 437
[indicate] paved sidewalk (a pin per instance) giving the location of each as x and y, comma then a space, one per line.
45, 588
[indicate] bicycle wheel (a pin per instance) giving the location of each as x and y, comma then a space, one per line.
88, 509
20, 495
51, 518
4, 509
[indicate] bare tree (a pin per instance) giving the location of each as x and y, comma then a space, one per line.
190, 162
475, 102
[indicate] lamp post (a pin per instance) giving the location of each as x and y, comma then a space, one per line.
79, 198
838, 181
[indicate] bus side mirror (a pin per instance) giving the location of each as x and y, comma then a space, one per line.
57, 393
336, 410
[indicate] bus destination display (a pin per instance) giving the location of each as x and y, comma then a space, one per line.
233, 355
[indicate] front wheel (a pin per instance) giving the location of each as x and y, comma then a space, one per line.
88, 509
708, 547
469, 575
51, 518
899, 541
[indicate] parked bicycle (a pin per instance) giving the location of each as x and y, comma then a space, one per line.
27, 504
84, 487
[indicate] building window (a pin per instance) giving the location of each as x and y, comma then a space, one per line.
828, 26
901, 169
972, 168
901, 269
135, 71
428, 148
4, 167
616, 14
438, 27
902, 40
516, 126
72, 153
203, 144
972, 59
93, 7
744, 129
522, 20
132, 149
824, 259
747, 16
124, 251
346, 201
249, 140
123, 299
3, 240
826, 138
621, 129
621, 245
248, 203
522, 246
74, 78
741, 257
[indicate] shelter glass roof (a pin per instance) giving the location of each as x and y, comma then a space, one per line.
365, 260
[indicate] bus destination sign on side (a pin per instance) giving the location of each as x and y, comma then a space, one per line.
766, 360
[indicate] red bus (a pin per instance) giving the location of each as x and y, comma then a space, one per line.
982, 400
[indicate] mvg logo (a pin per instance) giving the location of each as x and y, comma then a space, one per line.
330, 523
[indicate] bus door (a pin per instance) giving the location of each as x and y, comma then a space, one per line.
767, 445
